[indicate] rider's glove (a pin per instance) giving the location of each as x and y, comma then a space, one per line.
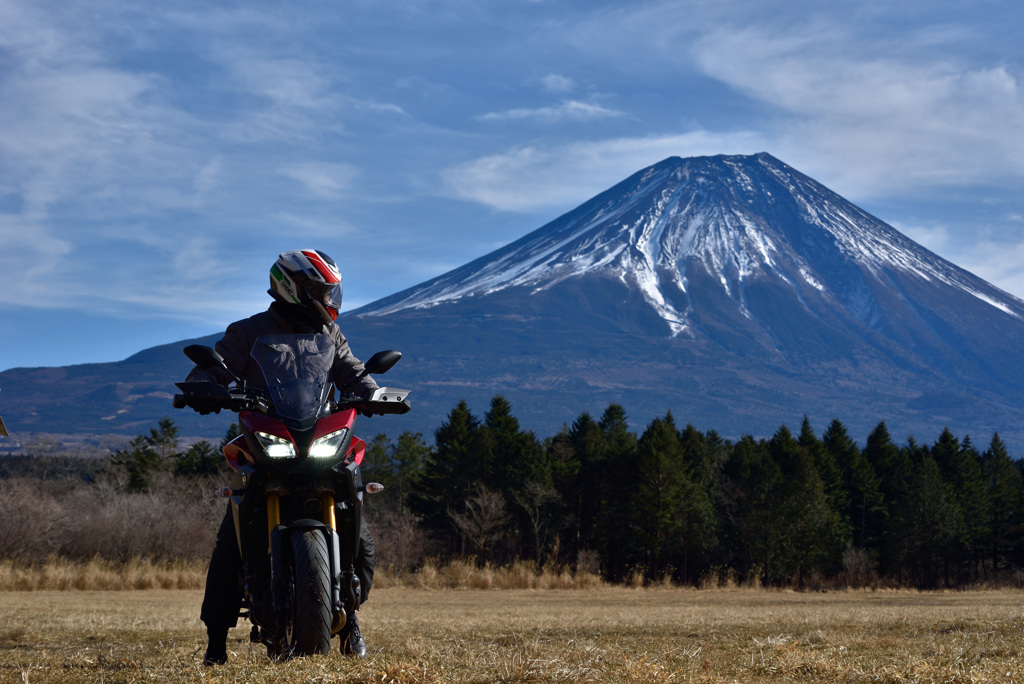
205, 405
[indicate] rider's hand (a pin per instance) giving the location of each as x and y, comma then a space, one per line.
205, 405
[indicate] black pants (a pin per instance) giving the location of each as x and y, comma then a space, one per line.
223, 597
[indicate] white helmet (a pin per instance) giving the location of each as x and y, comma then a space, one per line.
310, 278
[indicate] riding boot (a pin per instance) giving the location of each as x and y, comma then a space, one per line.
352, 642
217, 647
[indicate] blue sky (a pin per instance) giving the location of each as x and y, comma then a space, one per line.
156, 157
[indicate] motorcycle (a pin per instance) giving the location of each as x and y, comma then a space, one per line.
296, 491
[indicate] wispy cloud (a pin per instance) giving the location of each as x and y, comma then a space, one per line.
873, 97
322, 179
1000, 262
557, 83
895, 122
996, 259
531, 178
571, 110
31, 257
935, 238
104, 157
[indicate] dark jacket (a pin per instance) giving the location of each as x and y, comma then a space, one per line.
237, 343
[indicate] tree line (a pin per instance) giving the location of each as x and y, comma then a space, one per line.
673, 501
667, 502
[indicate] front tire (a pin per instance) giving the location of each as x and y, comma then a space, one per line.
311, 594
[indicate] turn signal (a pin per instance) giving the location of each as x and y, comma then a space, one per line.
374, 488
224, 492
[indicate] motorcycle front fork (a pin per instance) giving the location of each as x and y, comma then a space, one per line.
274, 510
327, 509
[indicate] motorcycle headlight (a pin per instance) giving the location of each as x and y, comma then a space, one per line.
328, 445
276, 447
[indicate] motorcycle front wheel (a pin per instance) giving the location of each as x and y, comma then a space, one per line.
311, 594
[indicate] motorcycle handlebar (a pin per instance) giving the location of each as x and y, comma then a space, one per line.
374, 408
208, 397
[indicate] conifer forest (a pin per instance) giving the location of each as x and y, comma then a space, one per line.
801, 508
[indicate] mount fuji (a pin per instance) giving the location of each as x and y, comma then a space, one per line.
733, 290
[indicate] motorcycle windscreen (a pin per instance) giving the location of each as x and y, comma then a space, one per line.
297, 369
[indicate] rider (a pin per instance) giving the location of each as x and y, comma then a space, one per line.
306, 287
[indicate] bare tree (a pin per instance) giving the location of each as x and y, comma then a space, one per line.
485, 520
536, 500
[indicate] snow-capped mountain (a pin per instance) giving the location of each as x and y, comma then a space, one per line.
732, 290
735, 219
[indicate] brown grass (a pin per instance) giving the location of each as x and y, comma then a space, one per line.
468, 574
98, 574
608, 634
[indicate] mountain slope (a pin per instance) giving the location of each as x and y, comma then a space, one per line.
734, 291
735, 218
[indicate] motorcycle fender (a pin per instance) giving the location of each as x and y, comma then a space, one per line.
278, 538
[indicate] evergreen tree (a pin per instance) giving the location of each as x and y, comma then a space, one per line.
808, 530
517, 456
408, 458
376, 465
519, 472
163, 439
138, 463
617, 466
452, 474
867, 502
972, 495
232, 432
933, 525
703, 455
830, 474
1006, 496
148, 455
587, 495
700, 456
896, 470
562, 461
752, 481
960, 466
899, 484
396, 465
883, 457
563, 523
657, 495
199, 459
862, 486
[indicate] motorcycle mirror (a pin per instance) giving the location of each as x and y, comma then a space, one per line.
381, 362
207, 357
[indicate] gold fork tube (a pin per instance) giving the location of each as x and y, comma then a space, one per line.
273, 512
327, 503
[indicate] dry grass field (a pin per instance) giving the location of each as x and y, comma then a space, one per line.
598, 635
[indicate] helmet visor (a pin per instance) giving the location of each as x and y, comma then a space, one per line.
326, 293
